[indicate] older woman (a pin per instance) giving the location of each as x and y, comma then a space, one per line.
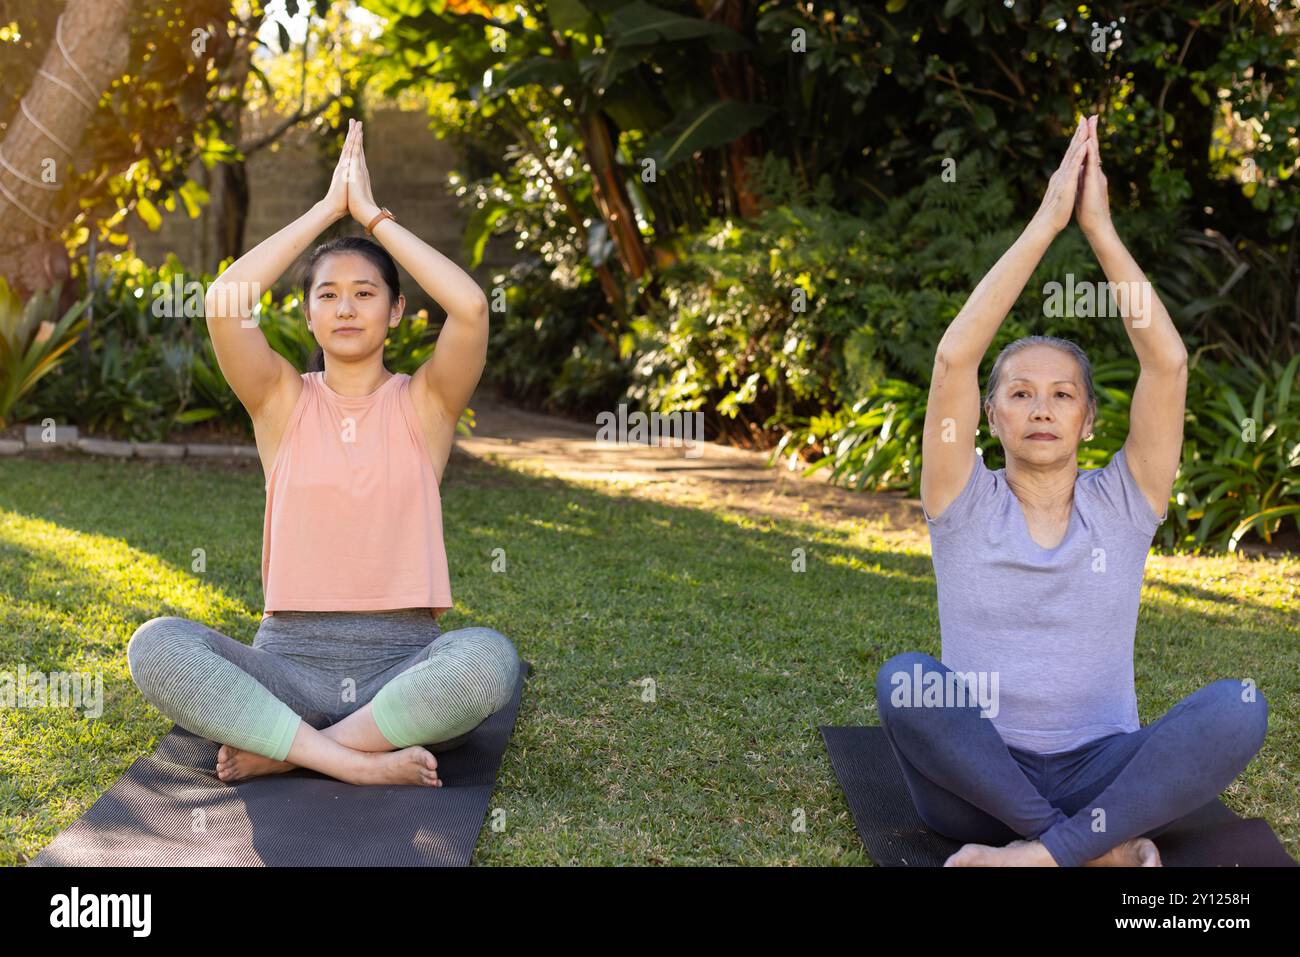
1024, 741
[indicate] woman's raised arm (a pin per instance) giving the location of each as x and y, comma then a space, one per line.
253, 369
968, 336
1150, 329
448, 378
952, 412
1155, 439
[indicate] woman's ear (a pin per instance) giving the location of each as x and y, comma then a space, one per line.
399, 310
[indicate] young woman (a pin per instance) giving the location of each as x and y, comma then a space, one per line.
1039, 569
349, 673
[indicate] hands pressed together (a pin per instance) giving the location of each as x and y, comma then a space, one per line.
1078, 186
349, 191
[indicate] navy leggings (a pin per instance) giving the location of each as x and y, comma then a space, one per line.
969, 785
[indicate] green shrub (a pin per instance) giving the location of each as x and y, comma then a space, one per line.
1241, 464
33, 337
151, 369
752, 321
547, 350
1241, 294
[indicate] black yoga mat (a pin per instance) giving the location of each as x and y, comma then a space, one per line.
895, 836
297, 819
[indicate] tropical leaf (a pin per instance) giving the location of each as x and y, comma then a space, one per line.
704, 127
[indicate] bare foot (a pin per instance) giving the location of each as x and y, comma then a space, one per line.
1138, 852
413, 765
1015, 854
234, 764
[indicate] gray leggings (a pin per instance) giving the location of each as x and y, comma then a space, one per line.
427, 687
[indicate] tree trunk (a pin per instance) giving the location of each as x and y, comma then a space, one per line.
610, 195
232, 213
232, 207
735, 79
96, 35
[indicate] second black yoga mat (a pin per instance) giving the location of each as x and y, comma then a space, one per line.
895, 836
170, 809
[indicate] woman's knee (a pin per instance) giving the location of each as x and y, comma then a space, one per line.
1225, 721
492, 665
153, 645
1234, 715
469, 675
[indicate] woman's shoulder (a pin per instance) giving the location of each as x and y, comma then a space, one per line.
978, 495
1114, 489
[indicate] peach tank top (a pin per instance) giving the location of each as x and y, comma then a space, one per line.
353, 514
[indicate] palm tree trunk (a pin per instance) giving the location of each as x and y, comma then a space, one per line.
45, 137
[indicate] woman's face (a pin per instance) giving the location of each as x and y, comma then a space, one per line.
348, 291
1041, 392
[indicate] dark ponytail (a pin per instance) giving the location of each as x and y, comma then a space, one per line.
376, 253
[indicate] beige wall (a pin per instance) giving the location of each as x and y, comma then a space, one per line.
408, 173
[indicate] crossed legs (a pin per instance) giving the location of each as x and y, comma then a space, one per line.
453, 686
261, 704
1079, 806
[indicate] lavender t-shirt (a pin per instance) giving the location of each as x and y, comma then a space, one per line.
1055, 624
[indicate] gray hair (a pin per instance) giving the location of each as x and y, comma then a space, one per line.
1065, 345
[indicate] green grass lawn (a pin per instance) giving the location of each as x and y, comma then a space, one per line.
600, 592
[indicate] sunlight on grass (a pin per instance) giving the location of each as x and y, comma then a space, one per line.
80, 571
